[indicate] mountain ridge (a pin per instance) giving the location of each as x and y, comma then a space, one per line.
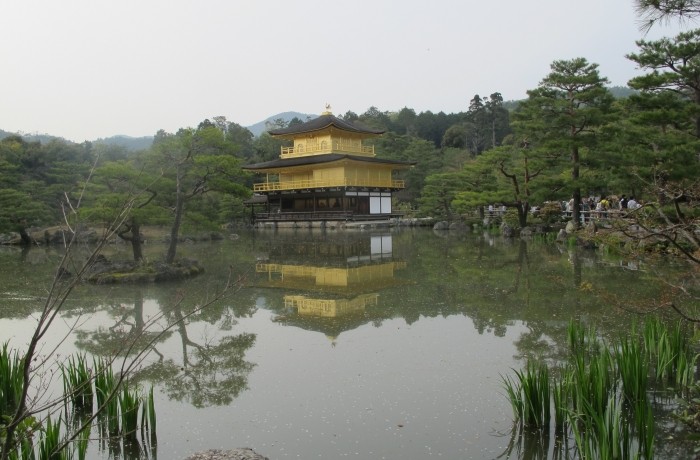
134, 143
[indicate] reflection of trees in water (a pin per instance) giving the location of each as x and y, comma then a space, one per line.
127, 336
210, 373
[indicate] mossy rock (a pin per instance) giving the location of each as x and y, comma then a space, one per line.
127, 272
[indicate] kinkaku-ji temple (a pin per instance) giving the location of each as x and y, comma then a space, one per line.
330, 175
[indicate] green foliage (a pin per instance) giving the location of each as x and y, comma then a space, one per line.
438, 195
11, 382
601, 398
529, 395
511, 218
35, 178
117, 409
550, 212
77, 382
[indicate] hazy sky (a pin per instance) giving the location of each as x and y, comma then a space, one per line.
84, 69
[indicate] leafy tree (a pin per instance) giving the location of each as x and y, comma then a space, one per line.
455, 137
477, 126
295, 121
432, 126
515, 176
410, 149
350, 116
478, 187
438, 193
266, 148
405, 121
120, 182
37, 179
674, 66
199, 162
374, 118
565, 114
241, 138
498, 117
277, 123
660, 11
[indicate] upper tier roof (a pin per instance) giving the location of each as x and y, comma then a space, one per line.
321, 159
322, 122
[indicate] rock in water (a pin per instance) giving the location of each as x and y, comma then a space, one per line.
234, 454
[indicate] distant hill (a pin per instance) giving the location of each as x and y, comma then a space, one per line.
621, 92
43, 138
128, 142
261, 126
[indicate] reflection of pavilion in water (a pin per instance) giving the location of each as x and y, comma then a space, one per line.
330, 279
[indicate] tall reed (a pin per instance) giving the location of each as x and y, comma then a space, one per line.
603, 435
148, 419
107, 403
560, 403
529, 395
633, 367
11, 381
118, 407
129, 402
77, 382
670, 352
49, 441
601, 399
592, 381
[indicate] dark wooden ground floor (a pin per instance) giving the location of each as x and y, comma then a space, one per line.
322, 205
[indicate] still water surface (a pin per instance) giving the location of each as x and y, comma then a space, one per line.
381, 344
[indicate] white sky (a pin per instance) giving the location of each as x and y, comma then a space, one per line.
84, 69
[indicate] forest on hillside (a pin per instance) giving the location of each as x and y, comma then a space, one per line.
573, 137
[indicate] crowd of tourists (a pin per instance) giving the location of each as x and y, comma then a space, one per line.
602, 207
604, 204
595, 207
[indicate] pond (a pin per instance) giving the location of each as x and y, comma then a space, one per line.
386, 344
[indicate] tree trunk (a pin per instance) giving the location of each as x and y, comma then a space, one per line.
136, 240
26, 239
523, 209
576, 216
446, 207
175, 230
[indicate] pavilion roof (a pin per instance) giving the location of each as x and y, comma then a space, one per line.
321, 159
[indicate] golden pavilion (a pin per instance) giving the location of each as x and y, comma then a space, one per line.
330, 173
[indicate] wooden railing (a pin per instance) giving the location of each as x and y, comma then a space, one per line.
334, 147
320, 183
304, 216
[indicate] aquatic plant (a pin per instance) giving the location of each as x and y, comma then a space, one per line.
529, 395
49, 441
11, 381
561, 400
633, 367
129, 402
601, 398
117, 409
603, 435
669, 350
77, 383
